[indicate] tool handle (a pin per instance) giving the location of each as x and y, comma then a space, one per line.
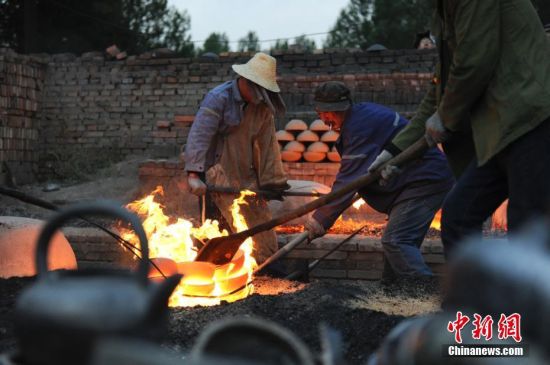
283, 251
415, 151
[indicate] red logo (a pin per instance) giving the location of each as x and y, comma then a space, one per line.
508, 327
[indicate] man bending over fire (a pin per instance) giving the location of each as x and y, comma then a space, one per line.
410, 200
232, 144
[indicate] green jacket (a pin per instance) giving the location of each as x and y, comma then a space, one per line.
492, 80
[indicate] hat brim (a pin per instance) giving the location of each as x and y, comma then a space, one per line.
247, 73
339, 106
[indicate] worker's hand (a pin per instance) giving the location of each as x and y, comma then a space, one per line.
196, 185
435, 131
381, 159
273, 195
388, 173
274, 191
314, 228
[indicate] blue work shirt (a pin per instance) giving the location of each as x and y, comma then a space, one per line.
220, 112
368, 127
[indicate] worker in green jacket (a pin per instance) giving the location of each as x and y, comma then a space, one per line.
489, 106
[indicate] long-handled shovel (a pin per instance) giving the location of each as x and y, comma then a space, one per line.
221, 250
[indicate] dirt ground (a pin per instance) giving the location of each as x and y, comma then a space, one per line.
117, 182
363, 312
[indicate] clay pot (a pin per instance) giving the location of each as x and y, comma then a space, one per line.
296, 125
318, 147
294, 146
307, 136
284, 136
314, 156
318, 126
291, 156
330, 136
333, 155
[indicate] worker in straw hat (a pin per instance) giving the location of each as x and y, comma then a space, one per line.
232, 144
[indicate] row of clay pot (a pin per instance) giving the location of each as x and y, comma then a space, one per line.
297, 130
293, 151
296, 135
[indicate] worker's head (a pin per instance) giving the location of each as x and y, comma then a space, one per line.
424, 40
332, 101
547, 30
261, 70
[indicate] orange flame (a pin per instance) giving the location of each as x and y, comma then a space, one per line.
172, 249
436, 222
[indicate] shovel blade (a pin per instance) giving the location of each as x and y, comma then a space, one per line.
220, 250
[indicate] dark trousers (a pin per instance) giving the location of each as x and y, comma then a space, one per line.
408, 223
521, 173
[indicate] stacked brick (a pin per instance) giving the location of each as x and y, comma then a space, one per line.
359, 259
21, 84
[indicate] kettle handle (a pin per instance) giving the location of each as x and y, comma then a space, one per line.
101, 207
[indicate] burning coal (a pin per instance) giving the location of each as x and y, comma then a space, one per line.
173, 250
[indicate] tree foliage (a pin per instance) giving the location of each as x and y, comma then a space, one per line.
393, 24
215, 43
302, 43
353, 28
249, 43
78, 26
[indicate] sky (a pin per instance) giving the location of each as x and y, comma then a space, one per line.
270, 19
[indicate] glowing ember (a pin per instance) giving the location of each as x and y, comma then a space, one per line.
358, 203
171, 247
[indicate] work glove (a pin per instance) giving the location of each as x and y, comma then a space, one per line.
381, 159
388, 172
273, 195
435, 131
314, 228
274, 191
196, 185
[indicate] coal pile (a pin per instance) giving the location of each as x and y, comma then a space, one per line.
303, 310
299, 307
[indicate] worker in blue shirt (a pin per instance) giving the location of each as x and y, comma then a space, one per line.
410, 199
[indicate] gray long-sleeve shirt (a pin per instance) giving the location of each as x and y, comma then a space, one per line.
220, 112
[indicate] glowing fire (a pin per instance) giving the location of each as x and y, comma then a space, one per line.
172, 250
359, 203
436, 222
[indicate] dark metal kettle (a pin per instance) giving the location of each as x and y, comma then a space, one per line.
59, 318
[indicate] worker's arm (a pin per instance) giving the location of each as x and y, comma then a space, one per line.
354, 165
204, 128
416, 127
477, 34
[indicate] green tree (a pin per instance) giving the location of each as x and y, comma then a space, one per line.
78, 26
353, 28
280, 44
396, 22
304, 43
249, 43
216, 43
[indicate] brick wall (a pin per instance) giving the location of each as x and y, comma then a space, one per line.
359, 259
90, 107
21, 84
146, 103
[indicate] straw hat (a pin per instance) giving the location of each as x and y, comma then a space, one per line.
260, 69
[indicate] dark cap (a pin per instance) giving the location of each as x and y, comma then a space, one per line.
332, 96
